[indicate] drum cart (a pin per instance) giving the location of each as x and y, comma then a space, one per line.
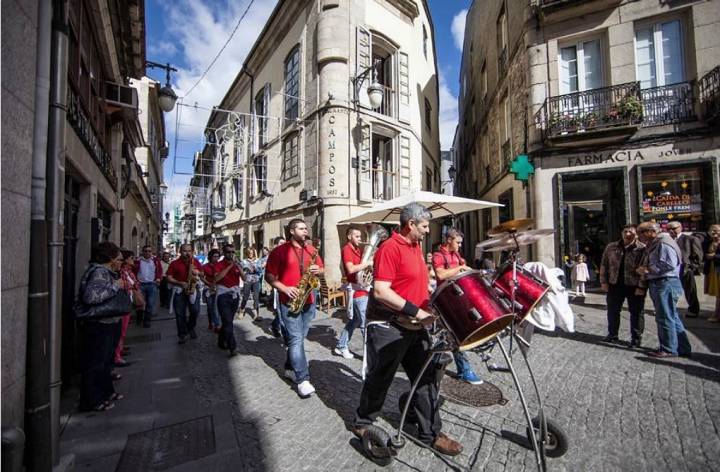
545, 437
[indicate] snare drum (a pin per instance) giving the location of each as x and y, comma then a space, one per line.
470, 309
530, 290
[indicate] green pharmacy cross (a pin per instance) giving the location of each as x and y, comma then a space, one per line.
522, 168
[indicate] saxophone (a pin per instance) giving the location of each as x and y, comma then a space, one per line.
376, 235
192, 280
307, 284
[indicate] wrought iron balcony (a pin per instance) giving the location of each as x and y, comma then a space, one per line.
668, 104
605, 108
710, 94
387, 107
564, 9
79, 120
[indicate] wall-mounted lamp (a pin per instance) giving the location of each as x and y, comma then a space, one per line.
166, 96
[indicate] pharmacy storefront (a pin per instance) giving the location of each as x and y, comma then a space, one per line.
596, 193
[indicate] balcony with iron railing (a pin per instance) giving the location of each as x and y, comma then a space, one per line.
607, 109
559, 10
669, 104
710, 95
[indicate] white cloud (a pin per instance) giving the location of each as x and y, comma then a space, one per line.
161, 48
448, 114
197, 29
458, 28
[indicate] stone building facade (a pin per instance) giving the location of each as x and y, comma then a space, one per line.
614, 102
296, 135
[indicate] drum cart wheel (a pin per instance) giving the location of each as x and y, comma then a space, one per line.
556, 441
377, 444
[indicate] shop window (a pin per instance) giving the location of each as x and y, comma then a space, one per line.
672, 194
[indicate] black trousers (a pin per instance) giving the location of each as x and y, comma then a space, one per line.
98, 347
164, 293
181, 305
227, 306
690, 289
616, 296
389, 347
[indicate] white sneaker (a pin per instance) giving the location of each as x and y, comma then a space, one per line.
290, 374
344, 352
305, 389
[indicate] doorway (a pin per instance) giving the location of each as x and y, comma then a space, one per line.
70, 343
593, 211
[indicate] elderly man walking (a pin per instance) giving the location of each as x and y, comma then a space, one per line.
692, 261
661, 268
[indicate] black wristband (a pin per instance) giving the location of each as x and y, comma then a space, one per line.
410, 309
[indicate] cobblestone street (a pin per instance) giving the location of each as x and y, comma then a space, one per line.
620, 409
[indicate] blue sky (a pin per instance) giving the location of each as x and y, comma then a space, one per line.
189, 33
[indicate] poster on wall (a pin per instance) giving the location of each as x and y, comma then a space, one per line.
673, 195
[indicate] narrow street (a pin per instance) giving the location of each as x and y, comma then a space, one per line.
190, 408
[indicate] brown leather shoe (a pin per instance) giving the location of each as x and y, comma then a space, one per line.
447, 446
358, 431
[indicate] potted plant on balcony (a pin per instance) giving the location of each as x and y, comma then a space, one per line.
630, 108
563, 123
590, 120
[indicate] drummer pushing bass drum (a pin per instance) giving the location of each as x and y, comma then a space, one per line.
400, 297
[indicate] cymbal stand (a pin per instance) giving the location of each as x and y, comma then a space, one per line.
513, 307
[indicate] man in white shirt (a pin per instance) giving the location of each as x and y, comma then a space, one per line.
149, 273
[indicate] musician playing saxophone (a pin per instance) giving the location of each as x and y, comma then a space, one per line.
182, 275
447, 263
286, 267
352, 262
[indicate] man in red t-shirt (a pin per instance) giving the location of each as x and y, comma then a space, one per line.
227, 275
178, 274
401, 289
285, 268
211, 290
447, 263
352, 263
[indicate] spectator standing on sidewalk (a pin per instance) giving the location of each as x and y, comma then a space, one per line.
164, 287
214, 322
252, 269
711, 270
184, 297
276, 325
692, 260
227, 277
661, 268
620, 280
127, 273
149, 272
580, 274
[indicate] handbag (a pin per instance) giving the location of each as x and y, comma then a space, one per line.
117, 305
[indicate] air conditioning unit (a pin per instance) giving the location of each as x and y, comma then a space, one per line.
117, 95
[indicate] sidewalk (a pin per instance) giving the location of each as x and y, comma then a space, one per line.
191, 408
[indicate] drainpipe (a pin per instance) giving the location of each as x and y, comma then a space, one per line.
54, 208
37, 375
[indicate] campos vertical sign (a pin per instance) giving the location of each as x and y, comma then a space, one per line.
333, 153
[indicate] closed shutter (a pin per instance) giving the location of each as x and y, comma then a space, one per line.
364, 170
404, 87
405, 169
363, 58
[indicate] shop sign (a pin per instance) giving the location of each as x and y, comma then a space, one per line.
619, 156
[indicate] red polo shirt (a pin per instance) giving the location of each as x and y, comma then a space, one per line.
284, 264
232, 278
402, 264
444, 259
353, 255
179, 269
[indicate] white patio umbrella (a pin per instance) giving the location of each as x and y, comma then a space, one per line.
439, 204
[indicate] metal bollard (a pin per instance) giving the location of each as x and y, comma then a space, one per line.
13, 444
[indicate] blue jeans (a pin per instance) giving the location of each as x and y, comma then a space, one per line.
358, 321
150, 292
296, 327
181, 304
212, 310
227, 306
665, 294
462, 365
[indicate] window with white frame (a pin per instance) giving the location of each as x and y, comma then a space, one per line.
580, 66
291, 164
260, 166
237, 186
292, 84
659, 54
261, 103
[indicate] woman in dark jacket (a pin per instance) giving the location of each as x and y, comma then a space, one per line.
711, 248
100, 283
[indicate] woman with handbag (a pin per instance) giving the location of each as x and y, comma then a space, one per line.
102, 300
127, 273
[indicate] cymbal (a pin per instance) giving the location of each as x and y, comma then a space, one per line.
512, 226
524, 238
